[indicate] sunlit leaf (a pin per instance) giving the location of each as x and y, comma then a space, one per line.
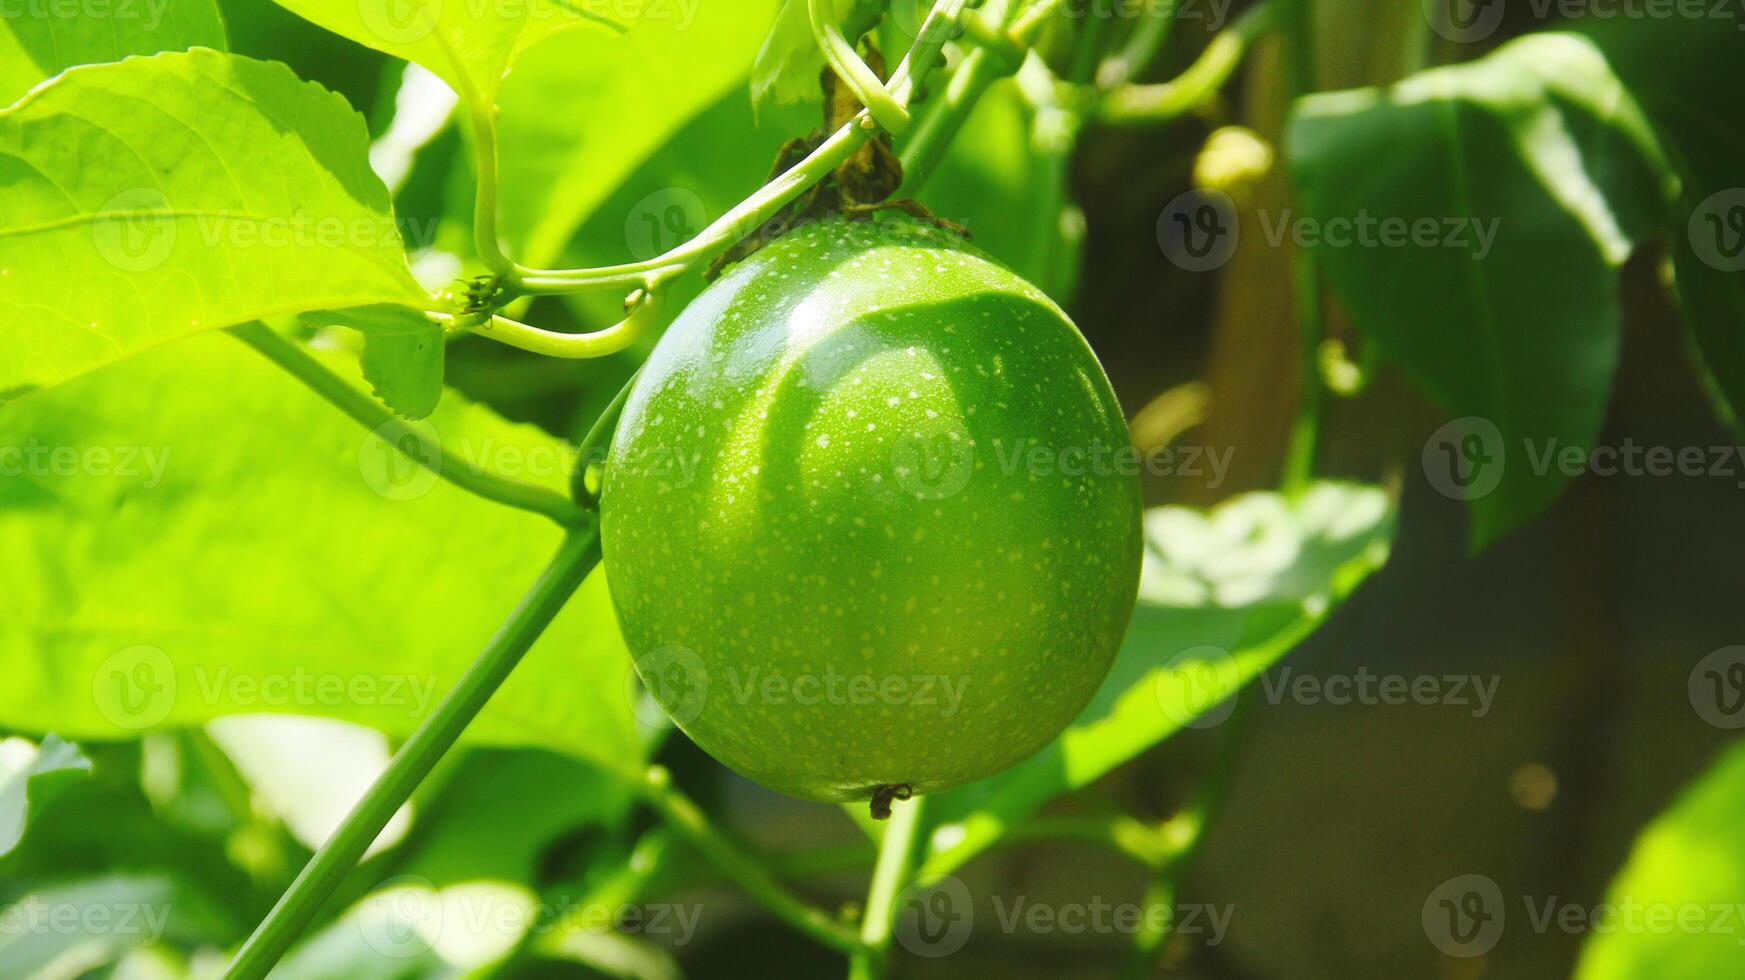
1687, 870
160, 197
196, 535
402, 356
1222, 596
471, 44
1532, 175
308, 772
38, 42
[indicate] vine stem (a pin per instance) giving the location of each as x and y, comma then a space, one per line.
688, 820
768, 199
1298, 33
577, 556
934, 132
896, 863
398, 432
1144, 104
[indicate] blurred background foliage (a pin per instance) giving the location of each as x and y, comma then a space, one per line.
1338, 820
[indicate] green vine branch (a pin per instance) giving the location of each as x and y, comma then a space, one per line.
689, 822
1197, 84
894, 870
763, 204
577, 556
399, 433
1297, 30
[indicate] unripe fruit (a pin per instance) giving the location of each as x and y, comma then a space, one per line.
871, 517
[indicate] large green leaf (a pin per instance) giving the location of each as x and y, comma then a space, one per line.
1538, 145
195, 535
581, 113
1687, 73
1677, 897
471, 44
159, 197
1222, 596
44, 42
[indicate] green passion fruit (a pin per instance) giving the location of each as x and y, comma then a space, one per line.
863, 521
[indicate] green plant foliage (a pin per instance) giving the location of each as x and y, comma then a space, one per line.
40, 45
694, 178
1687, 74
1223, 595
789, 61
31, 775
499, 810
470, 45
1538, 144
154, 907
988, 182
402, 357
556, 173
1689, 861
151, 602
175, 233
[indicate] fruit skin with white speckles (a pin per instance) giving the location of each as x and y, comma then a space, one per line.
863, 518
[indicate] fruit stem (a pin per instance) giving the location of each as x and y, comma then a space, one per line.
577, 556
1297, 31
892, 873
398, 432
884, 796
596, 443
1181, 836
689, 821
